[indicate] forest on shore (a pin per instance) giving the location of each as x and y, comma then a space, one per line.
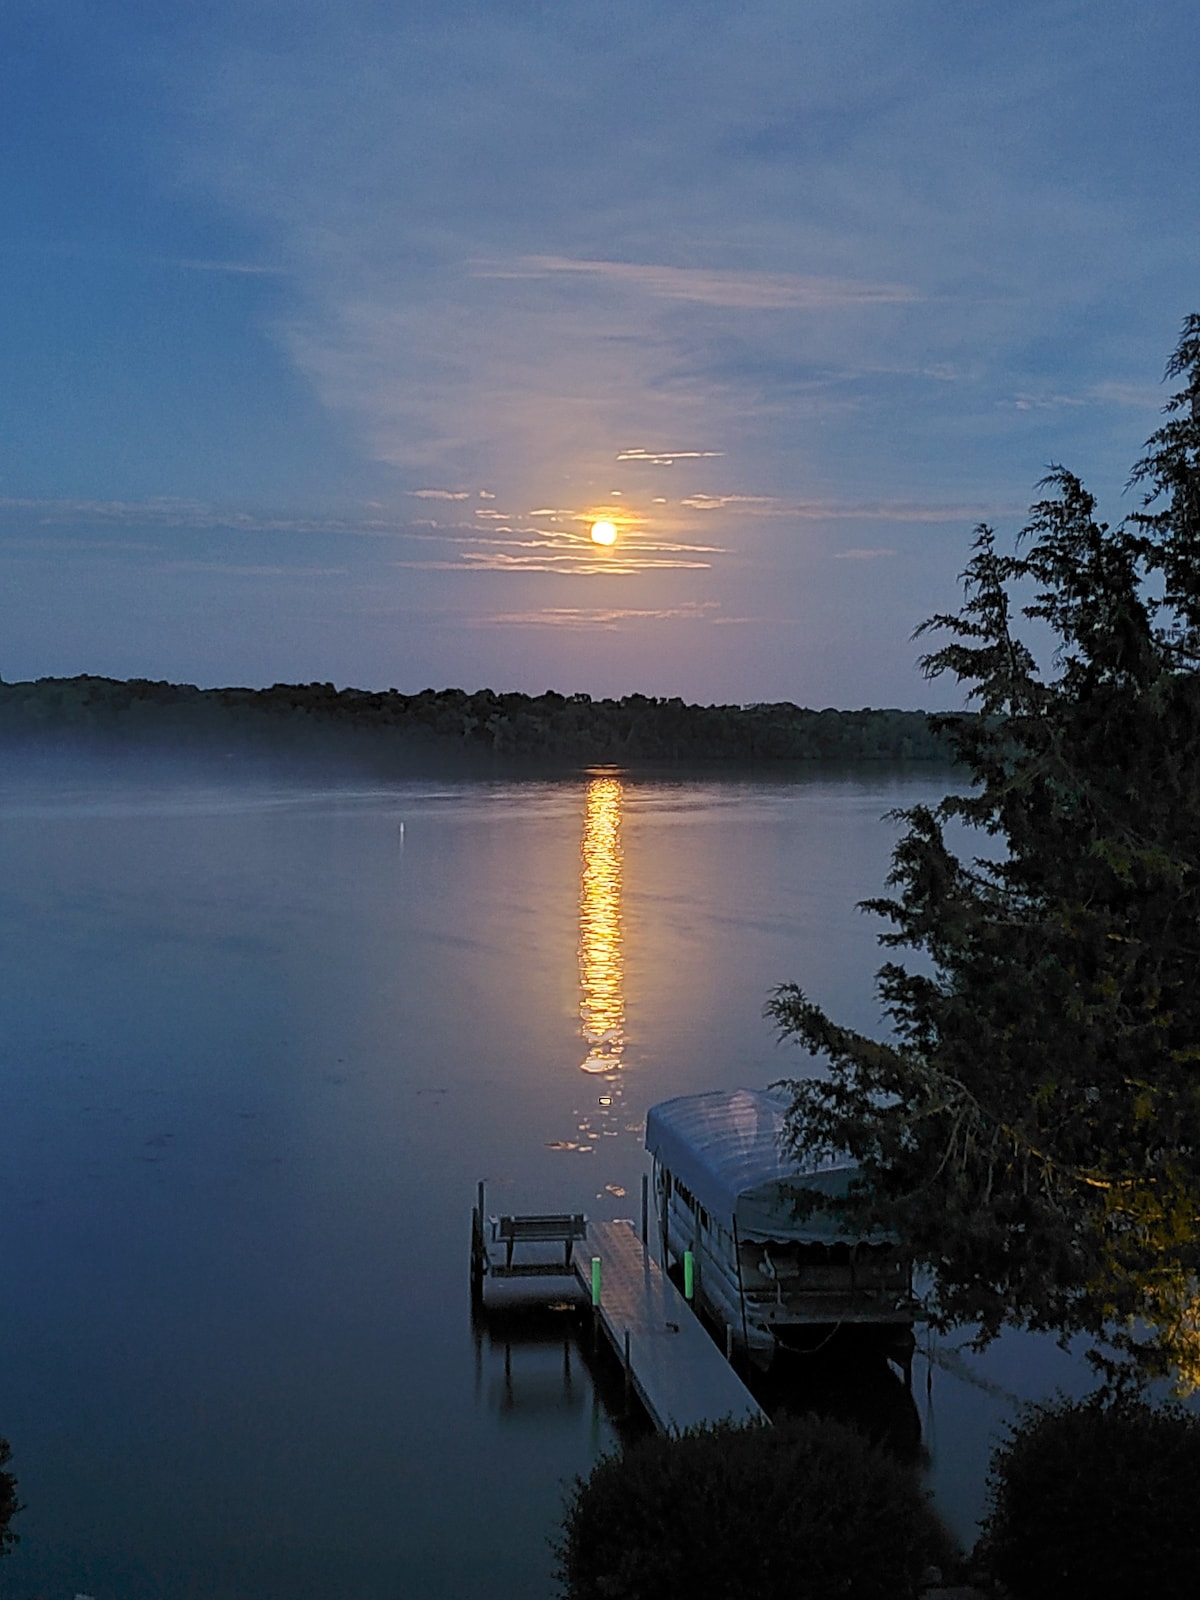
388, 729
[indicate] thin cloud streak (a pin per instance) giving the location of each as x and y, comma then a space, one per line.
242, 269
608, 618
849, 510
564, 565
49, 546
190, 514
742, 291
668, 458
231, 569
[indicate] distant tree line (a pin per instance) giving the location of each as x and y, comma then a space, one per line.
636, 730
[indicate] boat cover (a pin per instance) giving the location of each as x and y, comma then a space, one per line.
726, 1147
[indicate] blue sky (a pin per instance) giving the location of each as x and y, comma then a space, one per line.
328, 330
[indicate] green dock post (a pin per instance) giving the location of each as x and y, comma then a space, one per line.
596, 1282
689, 1275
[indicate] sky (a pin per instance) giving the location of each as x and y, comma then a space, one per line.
328, 330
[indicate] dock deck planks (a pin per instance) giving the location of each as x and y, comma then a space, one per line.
679, 1375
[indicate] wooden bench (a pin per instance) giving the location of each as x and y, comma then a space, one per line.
558, 1227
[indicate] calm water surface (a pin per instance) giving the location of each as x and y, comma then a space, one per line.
259, 1039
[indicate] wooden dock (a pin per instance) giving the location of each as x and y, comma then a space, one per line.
675, 1369
671, 1364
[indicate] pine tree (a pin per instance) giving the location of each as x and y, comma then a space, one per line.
1032, 1124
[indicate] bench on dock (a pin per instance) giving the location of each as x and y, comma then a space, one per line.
554, 1227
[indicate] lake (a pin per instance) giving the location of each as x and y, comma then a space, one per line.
260, 1036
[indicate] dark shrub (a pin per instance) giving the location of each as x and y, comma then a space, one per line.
1098, 1498
805, 1510
8, 1500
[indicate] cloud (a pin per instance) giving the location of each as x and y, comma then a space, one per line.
742, 291
1140, 396
461, 310
167, 512
862, 555
49, 545
565, 547
1045, 402
198, 515
489, 541
564, 563
813, 251
246, 269
607, 618
668, 458
718, 502
231, 569
131, 258
849, 510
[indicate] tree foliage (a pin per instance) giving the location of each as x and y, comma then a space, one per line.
470, 730
1032, 1125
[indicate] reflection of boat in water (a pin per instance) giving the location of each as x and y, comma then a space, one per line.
727, 1193
847, 1380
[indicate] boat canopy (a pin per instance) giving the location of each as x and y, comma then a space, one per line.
726, 1146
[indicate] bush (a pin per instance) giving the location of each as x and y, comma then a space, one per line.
1095, 1497
9, 1505
805, 1510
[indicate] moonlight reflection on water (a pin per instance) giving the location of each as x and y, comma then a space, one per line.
601, 943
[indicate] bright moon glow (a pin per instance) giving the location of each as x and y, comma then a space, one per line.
604, 532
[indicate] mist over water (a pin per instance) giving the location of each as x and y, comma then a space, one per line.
260, 1036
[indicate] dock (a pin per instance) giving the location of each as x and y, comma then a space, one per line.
678, 1374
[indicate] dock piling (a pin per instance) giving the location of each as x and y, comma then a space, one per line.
478, 1248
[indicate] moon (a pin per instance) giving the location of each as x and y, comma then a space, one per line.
604, 533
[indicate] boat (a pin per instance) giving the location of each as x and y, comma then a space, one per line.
727, 1193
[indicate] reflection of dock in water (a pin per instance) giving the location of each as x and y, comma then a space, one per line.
538, 1346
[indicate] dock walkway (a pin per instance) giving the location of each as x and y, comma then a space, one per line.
676, 1370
